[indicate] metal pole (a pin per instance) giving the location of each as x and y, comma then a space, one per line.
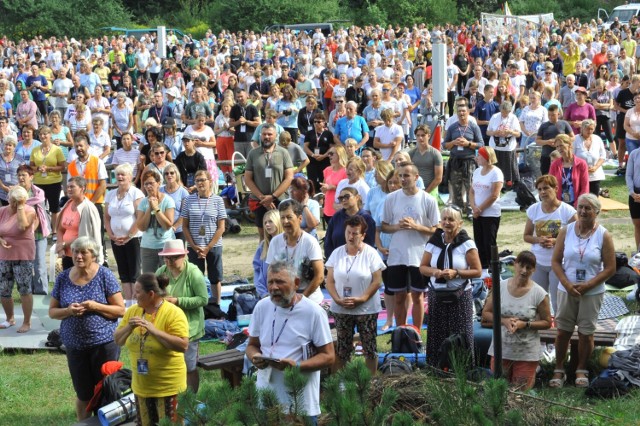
497, 320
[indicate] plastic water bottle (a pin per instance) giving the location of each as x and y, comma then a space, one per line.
118, 411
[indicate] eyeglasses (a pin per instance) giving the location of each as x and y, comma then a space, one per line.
201, 180
386, 90
172, 258
339, 102
318, 121
159, 152
344, 197
548, 72
169, 173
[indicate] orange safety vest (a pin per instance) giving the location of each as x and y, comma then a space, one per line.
90, 175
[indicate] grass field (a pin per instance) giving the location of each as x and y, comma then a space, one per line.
35, 386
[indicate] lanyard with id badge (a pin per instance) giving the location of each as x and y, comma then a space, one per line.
143, 363
581, 272
268, 172
274, 339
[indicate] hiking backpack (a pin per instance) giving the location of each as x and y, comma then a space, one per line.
243, 302
406, 339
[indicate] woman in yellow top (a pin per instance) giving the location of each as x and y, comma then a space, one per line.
48, 162
570, 56
157, 335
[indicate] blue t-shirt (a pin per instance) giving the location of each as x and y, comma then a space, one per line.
90, 329
155, 236
351, 128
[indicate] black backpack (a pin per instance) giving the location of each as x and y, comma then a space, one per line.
524, 197
243, 302
455, 343
392, 366
406, 339
115, 386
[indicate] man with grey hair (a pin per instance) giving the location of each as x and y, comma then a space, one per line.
288, 330
352, 126
567, 94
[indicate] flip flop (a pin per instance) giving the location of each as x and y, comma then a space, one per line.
6, 324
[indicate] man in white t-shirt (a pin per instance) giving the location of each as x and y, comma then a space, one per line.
519, 81
300, 249
283, 326
411, 217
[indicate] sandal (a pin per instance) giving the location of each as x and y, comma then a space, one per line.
582, 382
557, 383
604, 192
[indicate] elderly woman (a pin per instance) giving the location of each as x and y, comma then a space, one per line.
524, 311
571, 172
26, 111
80, 119
450, 261
17, 253
354, 276
173, 188
48, 161
579, 110
272, 227
602, 101
333, 175
589, 146
583, 259
156, 333
188, 291
544, 221
79, 218
352, 126
389, 137
355, 179
120, 208
42, 231
486, 185
351, 205
121, 117
203, 219
317, 143
154, 217
8, 168
87, 299
503, 129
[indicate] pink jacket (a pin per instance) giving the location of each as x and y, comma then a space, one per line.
579, 175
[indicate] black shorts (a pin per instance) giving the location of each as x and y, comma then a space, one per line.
634, 209
620, 132
405, 278
52, 195
85, 366
261, 211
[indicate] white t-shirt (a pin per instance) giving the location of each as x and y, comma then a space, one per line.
387, 135
306, 322
360, 185
591, 155
123, 212
307, 247
142, 59
458, 261
548, 225
482, 189
356, 272
406, 245
498, 122
207, 133
533, 118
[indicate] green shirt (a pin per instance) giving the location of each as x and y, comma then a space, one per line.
190, 289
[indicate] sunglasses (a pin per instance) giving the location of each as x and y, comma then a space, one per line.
169, 173
318, 121
159, 153
201, 180
339, 102
172, 258
344, 197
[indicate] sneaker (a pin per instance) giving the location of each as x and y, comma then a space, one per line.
54, 237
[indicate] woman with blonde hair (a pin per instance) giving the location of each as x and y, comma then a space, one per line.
355, 179
272, 227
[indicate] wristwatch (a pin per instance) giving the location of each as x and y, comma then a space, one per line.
156, 211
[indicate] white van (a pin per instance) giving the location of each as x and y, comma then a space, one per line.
624, 13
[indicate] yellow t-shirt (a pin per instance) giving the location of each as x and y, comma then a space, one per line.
167, 371
52, 159
629, 47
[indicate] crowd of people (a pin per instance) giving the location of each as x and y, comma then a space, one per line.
336, 129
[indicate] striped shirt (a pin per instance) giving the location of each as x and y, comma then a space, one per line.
132, 157
203, 214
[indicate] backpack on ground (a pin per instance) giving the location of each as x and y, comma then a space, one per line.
391, 366
455, 344
610, 384
406, 339
243, 302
